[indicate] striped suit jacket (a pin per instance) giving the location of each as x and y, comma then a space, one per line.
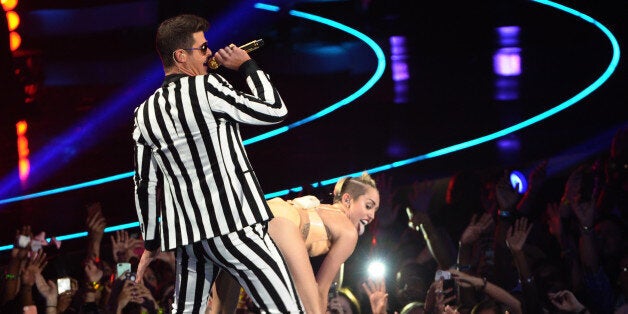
188, 145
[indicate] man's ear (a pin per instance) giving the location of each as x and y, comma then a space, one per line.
179, 56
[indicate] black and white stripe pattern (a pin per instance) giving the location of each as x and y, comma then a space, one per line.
187, 134
195, 190
250, 256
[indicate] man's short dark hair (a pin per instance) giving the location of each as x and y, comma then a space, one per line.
176, 33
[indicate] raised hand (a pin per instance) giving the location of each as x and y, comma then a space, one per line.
144, 296
507, 197
475, 228
34, 265
95, 221
442, 301
47, 289
378, 297
92, 272
122, 246
65, 299
127, 294
436, 288
554, 219
517, 234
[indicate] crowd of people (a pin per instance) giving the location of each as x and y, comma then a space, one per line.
205, 225
485, 248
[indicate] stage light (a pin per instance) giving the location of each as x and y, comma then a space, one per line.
518, 181
376, 270
4, 185
24, 165
13, 19
8, 5
15, 40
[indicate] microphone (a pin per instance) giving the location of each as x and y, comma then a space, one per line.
248, 47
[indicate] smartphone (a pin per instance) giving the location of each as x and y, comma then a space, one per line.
442, 274
63, 285
122, 269
448, 283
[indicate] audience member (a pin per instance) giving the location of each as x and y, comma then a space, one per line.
556, 251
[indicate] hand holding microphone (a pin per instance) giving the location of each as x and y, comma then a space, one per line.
213, 64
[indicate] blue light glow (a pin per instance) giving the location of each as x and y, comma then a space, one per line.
567, 103
518, 181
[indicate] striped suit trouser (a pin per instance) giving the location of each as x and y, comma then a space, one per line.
250, 256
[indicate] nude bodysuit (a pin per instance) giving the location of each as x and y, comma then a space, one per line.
303, 212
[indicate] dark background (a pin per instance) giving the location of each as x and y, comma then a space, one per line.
94, 57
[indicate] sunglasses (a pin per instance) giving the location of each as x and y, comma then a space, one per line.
202, 48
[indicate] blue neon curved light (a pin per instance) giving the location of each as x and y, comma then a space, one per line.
379, 71
443, 151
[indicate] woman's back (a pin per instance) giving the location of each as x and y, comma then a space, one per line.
307, 214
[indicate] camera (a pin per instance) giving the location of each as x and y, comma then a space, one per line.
130, 276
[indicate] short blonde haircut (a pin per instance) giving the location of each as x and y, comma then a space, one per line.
355, 186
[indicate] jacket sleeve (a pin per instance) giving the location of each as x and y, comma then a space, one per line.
262, 106
146, 179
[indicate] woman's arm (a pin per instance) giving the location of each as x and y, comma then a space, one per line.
344, 240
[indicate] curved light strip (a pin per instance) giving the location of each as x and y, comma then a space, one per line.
381, 65
569, 102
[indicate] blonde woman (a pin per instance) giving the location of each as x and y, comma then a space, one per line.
304, 228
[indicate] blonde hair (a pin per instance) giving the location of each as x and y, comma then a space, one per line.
355, 186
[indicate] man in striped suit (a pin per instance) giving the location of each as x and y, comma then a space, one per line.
195, 190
